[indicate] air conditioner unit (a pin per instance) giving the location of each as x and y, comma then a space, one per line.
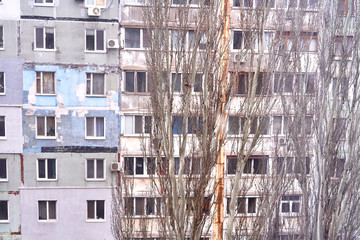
115, 166
282, 141
94, 11
240, 57
113, 43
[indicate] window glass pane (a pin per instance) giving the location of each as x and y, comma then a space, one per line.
196, 165
3, 210
100, 2
91, 209
277, 122
1, 37
39, 37
52, 209
242, 83
140, 206
288, 87
90, 127
150, 206
49, 1
88, 83
42, 210
48, 82
176, 82
2, 79
198, 83
100, 127
236, 3
150, 166
129, 165
231, 165
100, 209
51, 168
234, 125
177, 125
129, 206
130, 76
147, 124
99, 40
251, 205
99, 168
177, 165
50, 126
279, 164
295, 207
90, 2
90, 168
141, 82
90, 40
285, 207
98, 84
247, 167
2, 126
41, 126
312, 45
49, 38
129, 128
132, 38
237, 40
138, 124
41, 166
3, 173
241, 205
139, 167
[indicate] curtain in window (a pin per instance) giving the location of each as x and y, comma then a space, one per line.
100, 127
129, 128
49, 38
41, 126
91, 209
48, 82
50, 124
90, 127
98, 84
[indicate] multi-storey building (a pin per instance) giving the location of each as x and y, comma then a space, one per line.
70, 117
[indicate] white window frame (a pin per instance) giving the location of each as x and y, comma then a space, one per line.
144, 164
290, 202
91, 94
252, 158
94, 5
8, 215
94, 128
95, 219
246, 207
254, 4
95, 178
141, 40
47, 211
44, 3
44, 40
45, 128
4, 137
283, 131
132, 118
286, 5
6, 170
2, 37
42, 82
156, 208
3, 93
95, 41
46, 178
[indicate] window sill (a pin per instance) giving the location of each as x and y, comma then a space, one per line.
44, 5
45, 138
2, 94
95, 220
44, 50
95, 138
2, 49
48, 221
3, 138
46, 180
137, 93
46, 94
4, 180
89, 6
4, 221
137, 135
95, 180
96, 52
95, 96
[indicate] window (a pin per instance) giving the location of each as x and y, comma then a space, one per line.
304, 42
193, 39
194, 125
96, 210
294, 83
241, 40
95, 84
3, 170
245, 81
95, 40
290, 204
1, 37
4, 211
95, 3
245, 205
95, 127
2, 83
46, 169
45, 82
235, 125
136, 38
300, 3
254, 165
139, 166
281, 124
47, 210
291, 165
95, 169
191, 166
44, 38
343, 46
141, 206
45, 127
137, 81
336, 167
44, 2
137, 125
2, 127
253, 3
345, 6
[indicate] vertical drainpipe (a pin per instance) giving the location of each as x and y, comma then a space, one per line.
219, 184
